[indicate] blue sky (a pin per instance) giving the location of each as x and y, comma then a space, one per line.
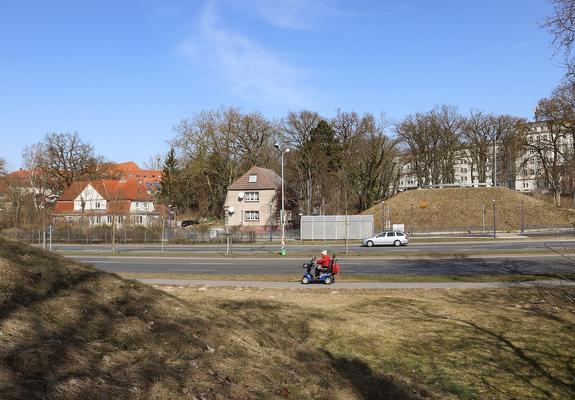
123, 73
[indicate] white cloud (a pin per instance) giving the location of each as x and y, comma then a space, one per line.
290, 14
253, 72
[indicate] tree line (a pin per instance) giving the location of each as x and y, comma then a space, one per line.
343, 164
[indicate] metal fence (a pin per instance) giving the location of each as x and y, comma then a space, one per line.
334, 227
73, 234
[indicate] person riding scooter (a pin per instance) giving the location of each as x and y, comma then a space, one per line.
322, 265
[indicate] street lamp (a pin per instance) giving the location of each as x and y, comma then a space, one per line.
494, 219
411, 219
282, 214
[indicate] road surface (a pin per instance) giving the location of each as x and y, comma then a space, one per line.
493, 265
498, 245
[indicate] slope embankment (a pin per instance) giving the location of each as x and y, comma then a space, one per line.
68, 331
470, 209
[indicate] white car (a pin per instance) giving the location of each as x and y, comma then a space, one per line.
396, 238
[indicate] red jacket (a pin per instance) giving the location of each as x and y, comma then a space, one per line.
324, 261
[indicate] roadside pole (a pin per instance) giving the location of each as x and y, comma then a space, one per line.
163, 233
50, 232
494, 220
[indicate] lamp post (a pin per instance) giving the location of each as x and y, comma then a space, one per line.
43, 227
494, 219
411, 219
522, 218
282, 214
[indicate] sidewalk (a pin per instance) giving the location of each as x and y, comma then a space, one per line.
351, 285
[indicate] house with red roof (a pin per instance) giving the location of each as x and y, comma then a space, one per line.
254, 200
99, 202
129, 170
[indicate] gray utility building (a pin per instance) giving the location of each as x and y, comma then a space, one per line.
332, 227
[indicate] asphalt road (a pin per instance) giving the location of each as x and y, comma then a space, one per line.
443, 247
370, 266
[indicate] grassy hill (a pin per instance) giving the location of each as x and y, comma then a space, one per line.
461, 209
68, 331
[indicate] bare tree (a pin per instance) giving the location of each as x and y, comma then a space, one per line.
431, 141
546, 147
561, 26
477, 138
66, 158
297, 131
155, 162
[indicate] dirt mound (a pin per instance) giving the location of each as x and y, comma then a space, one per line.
68, 331
462, 208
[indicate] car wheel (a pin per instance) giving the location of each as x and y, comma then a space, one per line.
305, 280
328, 280
369, 243
397, 243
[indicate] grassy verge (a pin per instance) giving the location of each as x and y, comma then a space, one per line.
345, 278
463, 344
68, 331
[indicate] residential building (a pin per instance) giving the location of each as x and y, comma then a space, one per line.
129, 171
253, 200
99, 202
524, 174
530, 175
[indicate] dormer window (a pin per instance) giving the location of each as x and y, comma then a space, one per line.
253, 179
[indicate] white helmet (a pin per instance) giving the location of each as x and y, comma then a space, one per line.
324, 252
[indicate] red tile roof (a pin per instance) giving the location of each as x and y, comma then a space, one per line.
110, 190
131, 170
266, 179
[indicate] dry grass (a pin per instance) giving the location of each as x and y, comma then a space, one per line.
68, 331
461, 209
466, 344
348, 278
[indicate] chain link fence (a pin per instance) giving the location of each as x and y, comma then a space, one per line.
153, 234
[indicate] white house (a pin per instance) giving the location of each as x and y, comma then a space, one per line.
99, 202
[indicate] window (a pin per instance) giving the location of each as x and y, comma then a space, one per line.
139, 219
400, 234
98, 220
120, 219
252, 196
97, 204
252, 215
390, 234
253, 179
110, 219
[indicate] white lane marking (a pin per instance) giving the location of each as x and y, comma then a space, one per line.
192, 269
155, 263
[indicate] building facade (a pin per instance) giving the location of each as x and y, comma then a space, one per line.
524, 173
104, 202
253, 200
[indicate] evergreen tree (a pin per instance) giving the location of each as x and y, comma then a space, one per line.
170, 179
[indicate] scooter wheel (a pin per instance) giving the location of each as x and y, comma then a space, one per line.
305, 280
328, 280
